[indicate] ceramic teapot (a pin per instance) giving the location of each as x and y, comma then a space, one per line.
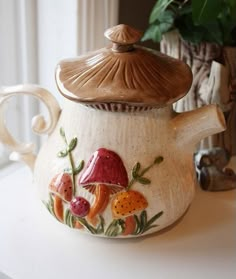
118, 161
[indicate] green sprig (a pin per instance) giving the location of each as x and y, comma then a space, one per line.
67, 151
143, 224
138, 175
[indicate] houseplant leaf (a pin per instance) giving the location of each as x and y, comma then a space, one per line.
166, 20
152, 33
158, 9
205, 10
188, 30
214, 33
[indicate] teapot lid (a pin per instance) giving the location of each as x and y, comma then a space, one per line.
123, 75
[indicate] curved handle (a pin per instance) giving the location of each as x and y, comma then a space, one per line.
24, 151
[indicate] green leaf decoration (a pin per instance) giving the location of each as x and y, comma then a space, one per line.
152, 33
148, 228
137, 173
154, 218
213, 33
158, 9
67, 220
137, 229
143, 217
62, 153
66, 215
76, 170
79, 168
72, 170
186, 9
100, 227
62, 132
143, 224
188, 30
50, 205
165, 21
205, 11
84, 222
50, 198
115, 228
198, 21
136, 169
158, 160
110, 228
71, 220
144, 180
72, 144
143, 221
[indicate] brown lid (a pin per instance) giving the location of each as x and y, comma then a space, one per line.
124, 74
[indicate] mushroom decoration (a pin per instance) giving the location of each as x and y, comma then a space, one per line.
79, 207
125, 205
61, 187
103, 176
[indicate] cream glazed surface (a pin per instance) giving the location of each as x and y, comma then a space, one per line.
118, 161
135, 137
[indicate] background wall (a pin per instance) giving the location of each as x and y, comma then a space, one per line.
136, 13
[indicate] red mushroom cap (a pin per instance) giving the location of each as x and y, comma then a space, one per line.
105, 167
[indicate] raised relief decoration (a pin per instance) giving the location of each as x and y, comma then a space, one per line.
105, 177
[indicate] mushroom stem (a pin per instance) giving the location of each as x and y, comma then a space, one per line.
130, 225
58, 208
102, 194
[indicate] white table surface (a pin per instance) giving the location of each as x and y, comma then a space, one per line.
33, 245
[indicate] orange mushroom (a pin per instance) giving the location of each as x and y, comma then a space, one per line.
125, 205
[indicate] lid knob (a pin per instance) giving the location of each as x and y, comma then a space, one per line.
123, 37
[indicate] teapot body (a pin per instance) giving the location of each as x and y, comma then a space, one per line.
160, 175
118, 161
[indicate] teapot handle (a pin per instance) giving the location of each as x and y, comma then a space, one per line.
24, 151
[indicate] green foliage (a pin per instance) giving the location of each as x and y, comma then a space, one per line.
115, 228
67, 151
143, 224
197, 20
137, 173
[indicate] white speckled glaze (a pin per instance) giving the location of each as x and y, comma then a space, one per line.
135, 137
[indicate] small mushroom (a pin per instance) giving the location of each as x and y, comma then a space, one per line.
125, 205
79, 206
103, 176
61, 187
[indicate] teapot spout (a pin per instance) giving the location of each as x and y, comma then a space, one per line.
192, 126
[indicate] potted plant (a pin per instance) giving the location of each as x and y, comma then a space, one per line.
203, 34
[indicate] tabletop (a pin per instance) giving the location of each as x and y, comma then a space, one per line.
34, 245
